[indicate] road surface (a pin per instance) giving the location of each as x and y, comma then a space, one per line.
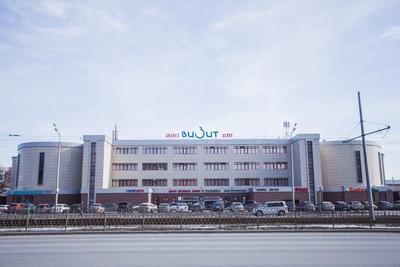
210, 249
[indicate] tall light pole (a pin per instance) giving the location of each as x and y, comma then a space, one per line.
58, 165
291, 164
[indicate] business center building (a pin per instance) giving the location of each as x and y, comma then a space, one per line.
103, 170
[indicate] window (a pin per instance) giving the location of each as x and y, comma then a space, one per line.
126, 150
216, 182
247, 181
125, 166
154, 150
92, 173
184, 166
246, 165
311, 175
246, 149
276, 181
124, 182
358, 167
154, 166
270, 149
184, 182
216, 149
275, 165
184, 150
41, 168
17, 175
216, 166
154, 182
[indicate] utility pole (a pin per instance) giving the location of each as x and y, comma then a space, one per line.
369, 190
363, 134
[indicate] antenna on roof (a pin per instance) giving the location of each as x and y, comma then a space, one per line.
286, 125
115, 133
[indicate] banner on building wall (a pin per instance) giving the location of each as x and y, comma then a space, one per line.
354, 189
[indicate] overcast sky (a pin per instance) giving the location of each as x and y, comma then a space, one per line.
154, 67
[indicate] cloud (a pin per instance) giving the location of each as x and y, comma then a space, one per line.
241, 17
391, 33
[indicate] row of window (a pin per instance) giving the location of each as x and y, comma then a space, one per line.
184, 150
184, 166
207, 182
210, 166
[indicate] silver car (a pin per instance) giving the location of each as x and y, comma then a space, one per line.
147, 207
163, 207
271, 208
356, 205
236, 207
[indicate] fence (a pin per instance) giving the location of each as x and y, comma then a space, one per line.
192, 221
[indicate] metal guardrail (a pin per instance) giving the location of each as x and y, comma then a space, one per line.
189, 221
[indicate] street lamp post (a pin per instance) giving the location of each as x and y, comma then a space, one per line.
58, 165
292, 167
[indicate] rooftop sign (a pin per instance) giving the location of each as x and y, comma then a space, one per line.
199, 134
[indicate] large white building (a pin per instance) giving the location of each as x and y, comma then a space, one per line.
191, 169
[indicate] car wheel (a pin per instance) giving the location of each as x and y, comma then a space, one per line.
281, 213
259, 213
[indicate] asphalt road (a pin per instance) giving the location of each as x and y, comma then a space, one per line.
226, 249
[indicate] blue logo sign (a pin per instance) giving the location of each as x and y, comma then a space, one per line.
199, 134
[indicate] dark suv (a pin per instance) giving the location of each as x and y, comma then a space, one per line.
218, 206
249, 205
123, 207
385, 205
341, 205
306, 206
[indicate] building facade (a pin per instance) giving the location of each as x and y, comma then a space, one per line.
135, 171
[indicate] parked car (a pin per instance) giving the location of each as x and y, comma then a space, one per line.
43, 208
96, 208
110, 207
235, 207
396, 205
3, 208
385, 205
341, 205
289, 204
326, 206
356, 205
77, 208
163, 207
249, 205
61, 208
306, 206
272, 208
218, 206
197, 207
366, 205
147, 208
178, 207
14, 208
123, 207
133, 208
28, 207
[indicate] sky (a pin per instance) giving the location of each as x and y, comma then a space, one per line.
157, 67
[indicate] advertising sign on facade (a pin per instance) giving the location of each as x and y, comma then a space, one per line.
199, 134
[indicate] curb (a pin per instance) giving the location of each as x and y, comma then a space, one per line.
282, 231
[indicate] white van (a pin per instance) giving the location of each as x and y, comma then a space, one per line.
271, 208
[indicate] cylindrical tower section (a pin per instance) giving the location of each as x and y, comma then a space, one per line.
343, 167
36, 172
